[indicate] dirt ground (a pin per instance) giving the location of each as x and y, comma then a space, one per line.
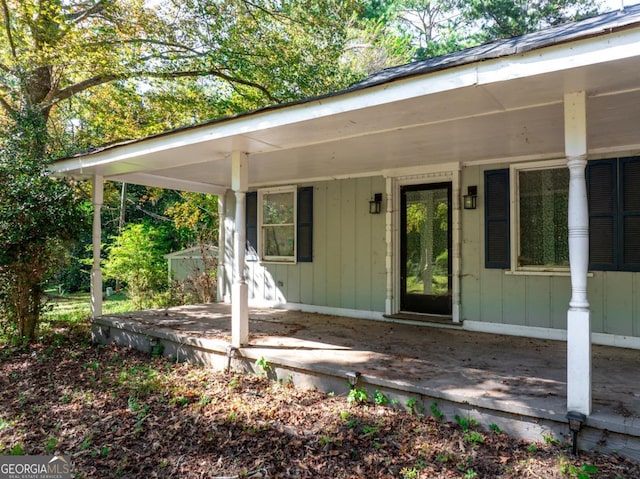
121, 413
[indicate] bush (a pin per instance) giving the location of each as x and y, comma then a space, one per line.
136, 259
39, 217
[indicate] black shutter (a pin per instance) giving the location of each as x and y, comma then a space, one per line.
251, 224
601, 193
496, 219
305, 225
630, 213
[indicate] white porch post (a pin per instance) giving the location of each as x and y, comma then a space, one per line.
222, 244
96, 272
578, 316
389, 300
240, 289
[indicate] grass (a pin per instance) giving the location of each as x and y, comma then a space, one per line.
76, 307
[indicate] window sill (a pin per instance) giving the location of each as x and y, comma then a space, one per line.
541, 272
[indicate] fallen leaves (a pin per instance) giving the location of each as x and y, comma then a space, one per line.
120, 413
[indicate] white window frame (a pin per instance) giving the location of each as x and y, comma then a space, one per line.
261, 226
514, 193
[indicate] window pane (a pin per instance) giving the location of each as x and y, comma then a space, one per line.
278, 241
544, 198
277, 208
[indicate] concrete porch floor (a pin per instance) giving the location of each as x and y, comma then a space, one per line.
517, 383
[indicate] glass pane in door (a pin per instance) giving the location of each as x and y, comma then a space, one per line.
426, 244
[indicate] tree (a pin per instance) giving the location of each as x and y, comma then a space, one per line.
79, 73
136, 258
195, 59
509, 18
39, 216
437, 27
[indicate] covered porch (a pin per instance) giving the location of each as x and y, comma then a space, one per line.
542, 97
517, 383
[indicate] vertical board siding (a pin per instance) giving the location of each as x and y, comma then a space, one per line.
363, 254
492, 296
538, 305
348, 206
320, 235
348, 269
472, 256
514, 300
618, 293
332, 234
559, 294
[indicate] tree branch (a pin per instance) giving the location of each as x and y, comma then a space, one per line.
6, 107
7, 27
77, 17
58, 96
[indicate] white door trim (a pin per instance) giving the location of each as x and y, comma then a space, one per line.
417, 177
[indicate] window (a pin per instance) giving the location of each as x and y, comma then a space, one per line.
282, 220
542, 205
539, 233
277, 224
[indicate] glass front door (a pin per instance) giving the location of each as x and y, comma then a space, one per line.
425, 248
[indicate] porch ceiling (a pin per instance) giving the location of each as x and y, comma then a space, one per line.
508, 108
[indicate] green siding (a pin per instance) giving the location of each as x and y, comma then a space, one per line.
348, 267
539, 301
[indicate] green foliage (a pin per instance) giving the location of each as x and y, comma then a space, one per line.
495, 428
263, 365
39, 216
584, 471
357, 396
474, 437
380, 398
550, 439
465, 423
17, 450
509, 18
136, 258
411, 403
470, 474
437, 27
435, 412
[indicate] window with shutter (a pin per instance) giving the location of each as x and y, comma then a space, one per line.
496, 215
275, 226
613, 191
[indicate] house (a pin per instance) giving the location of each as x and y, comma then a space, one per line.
495, 189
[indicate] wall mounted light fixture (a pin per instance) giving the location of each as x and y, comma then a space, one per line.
470, 200
375, 205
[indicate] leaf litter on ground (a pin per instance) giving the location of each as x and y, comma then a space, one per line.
119, 413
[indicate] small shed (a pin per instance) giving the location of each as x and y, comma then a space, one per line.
188, 263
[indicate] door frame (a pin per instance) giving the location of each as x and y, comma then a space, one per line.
395, 179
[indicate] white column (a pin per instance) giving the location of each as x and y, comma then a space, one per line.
578, 317
96, 272
389, 301
456, 255
222, 244
240, 289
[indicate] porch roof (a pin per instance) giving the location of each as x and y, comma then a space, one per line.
498, 102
